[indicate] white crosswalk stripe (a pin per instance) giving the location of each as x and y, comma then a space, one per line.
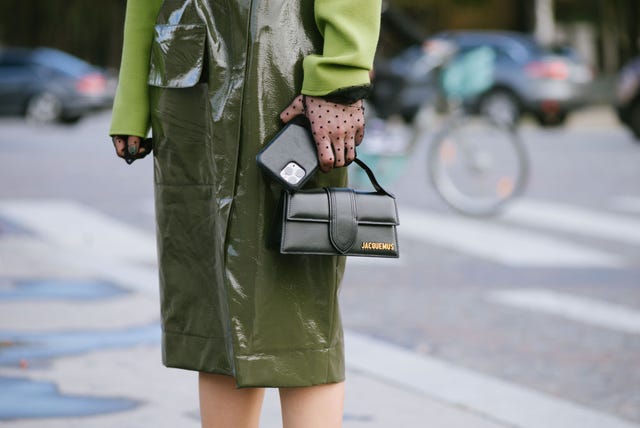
503, 240
76, 226
576, 308
566, 218
500, 243
88, 239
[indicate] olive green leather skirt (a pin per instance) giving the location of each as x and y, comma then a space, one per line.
221, 72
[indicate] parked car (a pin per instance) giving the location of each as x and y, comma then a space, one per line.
527, 78
47, 85
628, 96
404, 83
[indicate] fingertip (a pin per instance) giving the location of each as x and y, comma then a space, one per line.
326, 164
350, 157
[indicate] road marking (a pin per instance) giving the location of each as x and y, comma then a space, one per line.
498, 243
627, 204
76, 226
573, 219
496, 398
577, 308
85, 238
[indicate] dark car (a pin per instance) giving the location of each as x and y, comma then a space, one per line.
47, 85
628, 96
527, 78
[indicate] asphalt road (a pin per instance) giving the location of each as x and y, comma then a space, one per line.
546, 296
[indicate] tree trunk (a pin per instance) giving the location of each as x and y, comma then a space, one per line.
633, 16
545, 22
610, 37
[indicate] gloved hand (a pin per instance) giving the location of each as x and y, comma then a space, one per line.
130, 147
337, 128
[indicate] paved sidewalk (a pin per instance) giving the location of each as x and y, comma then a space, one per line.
79, 335
167, 398
79, 345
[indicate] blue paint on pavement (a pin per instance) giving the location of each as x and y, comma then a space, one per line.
24, 398
40, 346
7, 227
61, 290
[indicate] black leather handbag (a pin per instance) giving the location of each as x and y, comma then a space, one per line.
338, 221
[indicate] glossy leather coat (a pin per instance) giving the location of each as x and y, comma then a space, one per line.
221, 72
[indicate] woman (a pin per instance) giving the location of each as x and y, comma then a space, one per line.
213, 79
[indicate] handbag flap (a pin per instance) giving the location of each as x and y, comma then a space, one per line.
370, 207
343, 224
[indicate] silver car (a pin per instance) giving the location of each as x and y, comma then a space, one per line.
47, 85
527, 78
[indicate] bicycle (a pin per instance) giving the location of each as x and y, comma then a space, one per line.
476, 163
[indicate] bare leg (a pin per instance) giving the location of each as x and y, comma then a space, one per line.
222, 405
318, 406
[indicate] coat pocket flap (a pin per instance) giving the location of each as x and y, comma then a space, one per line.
177, 55
372, 208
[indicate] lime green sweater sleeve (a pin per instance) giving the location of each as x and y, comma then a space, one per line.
350, 29
131, 105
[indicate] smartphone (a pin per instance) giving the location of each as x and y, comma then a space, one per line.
290, 158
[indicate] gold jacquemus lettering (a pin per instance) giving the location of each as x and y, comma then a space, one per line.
386, 246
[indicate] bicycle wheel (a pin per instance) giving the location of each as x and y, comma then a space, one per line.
478, 165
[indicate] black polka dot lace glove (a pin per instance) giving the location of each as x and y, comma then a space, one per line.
337, 128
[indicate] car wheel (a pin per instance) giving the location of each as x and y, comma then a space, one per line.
70, 120
634, 120
409, 115
501, 106
552, 120
43, 108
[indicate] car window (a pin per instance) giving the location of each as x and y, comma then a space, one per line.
503, 56
62, 62
508, 48
530, 46
519, 53
15, 71
8, 60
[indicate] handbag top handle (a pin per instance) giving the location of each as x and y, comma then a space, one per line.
372, 178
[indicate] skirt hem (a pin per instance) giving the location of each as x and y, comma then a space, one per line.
287, 368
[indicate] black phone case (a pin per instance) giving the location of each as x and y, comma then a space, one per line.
291, 151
